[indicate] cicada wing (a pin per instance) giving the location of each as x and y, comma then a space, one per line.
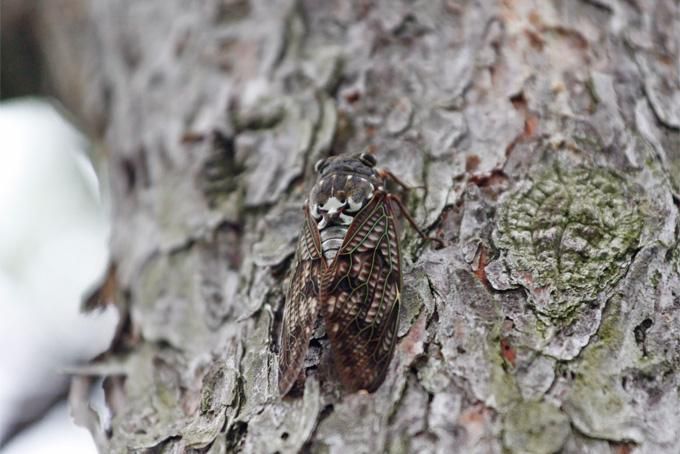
360, 296
301, 306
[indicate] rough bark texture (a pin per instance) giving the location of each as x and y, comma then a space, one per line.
545, 137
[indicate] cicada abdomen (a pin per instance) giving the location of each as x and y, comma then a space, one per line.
347, 269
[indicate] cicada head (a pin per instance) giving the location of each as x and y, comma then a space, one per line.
344, 186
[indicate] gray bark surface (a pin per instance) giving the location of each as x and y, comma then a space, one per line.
545, 139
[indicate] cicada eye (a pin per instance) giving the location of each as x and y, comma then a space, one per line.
319, 165
315, 212
367, 159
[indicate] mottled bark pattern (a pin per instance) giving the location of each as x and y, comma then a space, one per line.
545, 138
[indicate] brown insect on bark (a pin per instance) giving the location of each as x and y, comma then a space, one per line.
347, 267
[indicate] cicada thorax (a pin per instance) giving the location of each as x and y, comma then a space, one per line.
344, 188
349, 249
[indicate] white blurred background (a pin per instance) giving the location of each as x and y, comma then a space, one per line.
53, 249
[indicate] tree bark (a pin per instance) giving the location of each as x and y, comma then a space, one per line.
543, 142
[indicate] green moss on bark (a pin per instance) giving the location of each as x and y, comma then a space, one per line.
568, 235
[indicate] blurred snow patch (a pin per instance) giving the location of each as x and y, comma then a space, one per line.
53, 248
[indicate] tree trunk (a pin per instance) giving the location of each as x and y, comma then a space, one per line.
543, 142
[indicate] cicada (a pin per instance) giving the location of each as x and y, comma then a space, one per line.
347, 269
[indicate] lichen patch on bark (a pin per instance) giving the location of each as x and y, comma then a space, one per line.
568, 237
